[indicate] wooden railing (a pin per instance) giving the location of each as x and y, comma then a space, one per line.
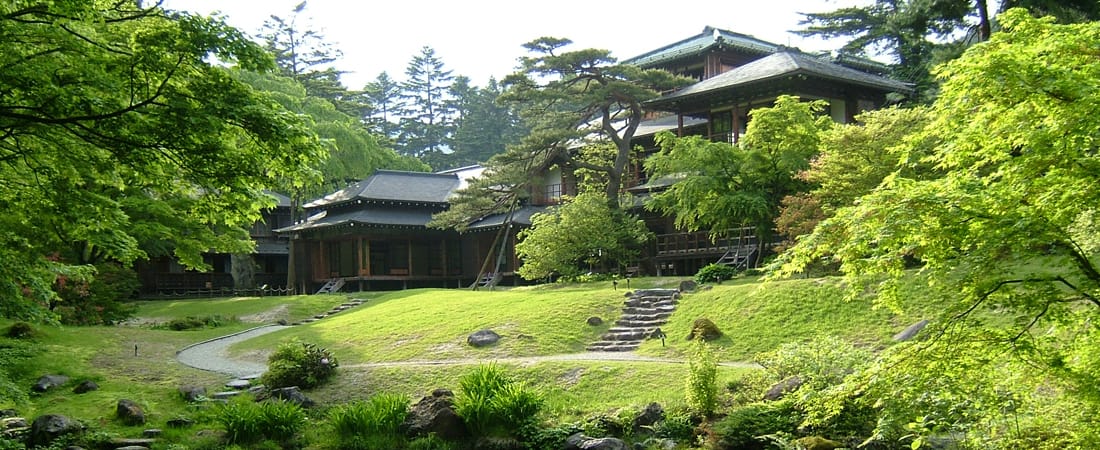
700, 242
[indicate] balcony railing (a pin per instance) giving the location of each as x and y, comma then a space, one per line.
700, 243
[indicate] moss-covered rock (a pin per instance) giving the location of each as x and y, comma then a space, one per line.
817, 443
704, 328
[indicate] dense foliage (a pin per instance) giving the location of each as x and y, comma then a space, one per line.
118, 139
1008, 229
584, 234
722, 187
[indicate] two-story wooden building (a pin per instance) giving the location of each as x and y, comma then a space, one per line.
737, 73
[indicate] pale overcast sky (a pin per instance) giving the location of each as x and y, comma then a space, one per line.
480, 38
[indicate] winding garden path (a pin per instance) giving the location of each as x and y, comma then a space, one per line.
212, 355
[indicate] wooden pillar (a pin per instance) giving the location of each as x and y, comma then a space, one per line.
679, 125
366, 261
409, 249
359, 256
736, 123
443, 245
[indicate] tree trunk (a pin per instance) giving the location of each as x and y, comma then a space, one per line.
984, 29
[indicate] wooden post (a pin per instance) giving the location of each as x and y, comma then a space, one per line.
409, 245
443, 244
736, 124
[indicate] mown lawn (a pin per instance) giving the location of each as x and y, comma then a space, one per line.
432, 324
760, 316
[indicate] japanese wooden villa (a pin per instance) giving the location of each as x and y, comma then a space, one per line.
373, 234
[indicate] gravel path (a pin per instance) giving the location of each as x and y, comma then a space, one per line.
211, 354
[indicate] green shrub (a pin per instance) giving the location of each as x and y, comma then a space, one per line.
677, 425
297, 363
701, 389
490, 401
376, 421
714, 272
742, 427
705, 329
247, 422
20, 330
100, 301
197, 323
821, 362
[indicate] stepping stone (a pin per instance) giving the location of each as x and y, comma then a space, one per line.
254, 376
225, 395
319, 316
139, 442
238, 384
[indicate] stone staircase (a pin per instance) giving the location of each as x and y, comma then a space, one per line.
336, 309
645, 311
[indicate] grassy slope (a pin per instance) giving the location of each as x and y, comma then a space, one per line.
756, 317
430, 324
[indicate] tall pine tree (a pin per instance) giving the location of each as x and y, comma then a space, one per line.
427, 126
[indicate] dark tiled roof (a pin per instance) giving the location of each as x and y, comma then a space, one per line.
650, 127
364, 215
782, 65
392, 185
281, 201
522, 216
710, 37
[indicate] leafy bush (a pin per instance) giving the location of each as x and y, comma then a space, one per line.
490, 401
820, 362
742, 427
372, 424
714, 272
701, 389
196, 323
20, 330
247, 422
677, 425
100, 301
297, 363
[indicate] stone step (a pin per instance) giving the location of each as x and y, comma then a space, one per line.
320, 316
640, 323
655, 316
626, 335
650, 304
613, 346
649, 310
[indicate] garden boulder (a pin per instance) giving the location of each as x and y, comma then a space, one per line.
435, 414
47, 428
129, 412
85, 387
483, 338
579, 441
911, 331
47, 382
